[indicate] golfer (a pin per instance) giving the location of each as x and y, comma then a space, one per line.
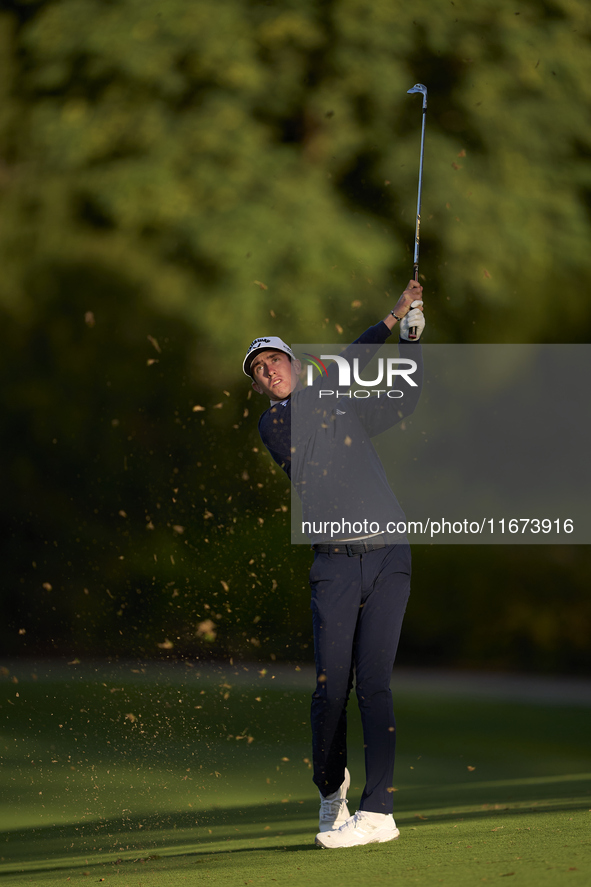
360, 582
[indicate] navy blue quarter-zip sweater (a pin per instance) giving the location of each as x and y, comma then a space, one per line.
324, 445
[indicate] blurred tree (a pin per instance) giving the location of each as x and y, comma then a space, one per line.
195, 174
207, 146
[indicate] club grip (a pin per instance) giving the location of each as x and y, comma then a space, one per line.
412, 331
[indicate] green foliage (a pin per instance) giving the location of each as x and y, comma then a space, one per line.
204, 146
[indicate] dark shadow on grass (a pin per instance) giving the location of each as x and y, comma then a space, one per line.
202, 856
142, 837
493, 812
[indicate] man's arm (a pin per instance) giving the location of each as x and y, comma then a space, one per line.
378, 414
413, 292
377, 335
373, 336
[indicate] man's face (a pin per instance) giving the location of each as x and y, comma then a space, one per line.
274, 374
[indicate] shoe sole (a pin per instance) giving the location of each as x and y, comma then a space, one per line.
391, 836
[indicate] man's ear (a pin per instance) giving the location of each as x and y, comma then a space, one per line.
257, 388
297, 366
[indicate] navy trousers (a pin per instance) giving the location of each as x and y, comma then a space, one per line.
358, 605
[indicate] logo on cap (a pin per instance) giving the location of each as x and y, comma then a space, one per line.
256, 342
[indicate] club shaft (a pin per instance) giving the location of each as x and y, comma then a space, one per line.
418, 224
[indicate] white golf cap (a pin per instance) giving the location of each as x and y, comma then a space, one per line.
265, 343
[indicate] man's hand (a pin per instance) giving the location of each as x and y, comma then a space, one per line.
414, 321
412, 293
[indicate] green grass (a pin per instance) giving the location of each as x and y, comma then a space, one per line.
169, 778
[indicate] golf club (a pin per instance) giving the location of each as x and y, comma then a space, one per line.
419, 87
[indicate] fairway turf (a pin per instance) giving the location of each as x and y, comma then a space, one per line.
157, 776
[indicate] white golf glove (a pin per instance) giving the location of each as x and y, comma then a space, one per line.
415, 318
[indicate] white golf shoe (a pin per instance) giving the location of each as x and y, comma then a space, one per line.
333, 809
363, 828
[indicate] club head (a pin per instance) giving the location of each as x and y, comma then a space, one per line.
420, 87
